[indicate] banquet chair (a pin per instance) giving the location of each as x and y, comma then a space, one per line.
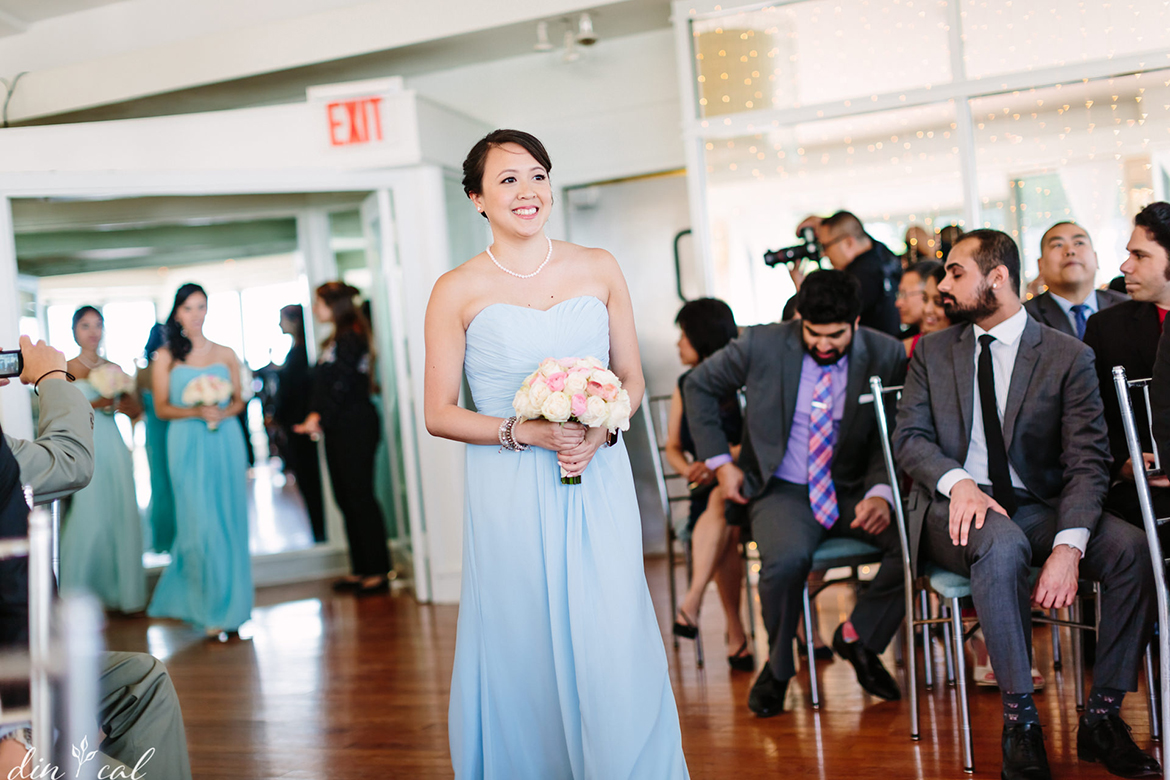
1150, 523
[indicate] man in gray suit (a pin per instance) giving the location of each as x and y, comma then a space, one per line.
810, 467
1068, 266
1001, 428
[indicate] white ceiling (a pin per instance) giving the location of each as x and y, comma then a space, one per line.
17, 15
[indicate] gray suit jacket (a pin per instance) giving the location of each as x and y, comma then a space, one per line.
60, 461
1048, 312
766, 361
1053, 423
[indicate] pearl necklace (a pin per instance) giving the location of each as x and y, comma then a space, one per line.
87, 364
523, 276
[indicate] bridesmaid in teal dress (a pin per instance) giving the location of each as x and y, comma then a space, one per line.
209, 580
560, 668
161, 513
101, 535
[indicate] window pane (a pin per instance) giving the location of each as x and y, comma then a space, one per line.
127, 326
223, 324
1093, 153
1004, 37
818, 51
892, 169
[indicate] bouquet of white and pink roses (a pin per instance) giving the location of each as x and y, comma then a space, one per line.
579, 390
207, 390
110, 381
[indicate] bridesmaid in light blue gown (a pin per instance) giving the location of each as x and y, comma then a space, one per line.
560, 668
161, 513
209, 580
101, 534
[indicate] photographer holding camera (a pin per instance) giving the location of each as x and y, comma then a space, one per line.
139, 717
849, 248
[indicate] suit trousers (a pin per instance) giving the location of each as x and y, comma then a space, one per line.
139, 712
997, 558
786, 534
349, 451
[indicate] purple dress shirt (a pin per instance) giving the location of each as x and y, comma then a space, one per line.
794, 467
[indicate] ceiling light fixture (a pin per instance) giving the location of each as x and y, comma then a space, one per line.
585, 34
542, 41
572, 53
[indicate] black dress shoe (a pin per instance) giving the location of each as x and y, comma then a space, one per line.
872, 676
1109, 742
821, 653
767, 696
1023, 753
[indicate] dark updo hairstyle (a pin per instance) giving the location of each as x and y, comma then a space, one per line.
1155, 218
473, 166
829, 296
708, 324
177, 341
84, 310
296, 315
347, 318
156, 339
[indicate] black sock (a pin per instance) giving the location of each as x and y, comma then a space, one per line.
1102, 702
1019, 708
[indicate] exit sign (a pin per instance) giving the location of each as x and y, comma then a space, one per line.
354, 121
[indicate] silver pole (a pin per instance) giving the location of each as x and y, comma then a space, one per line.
40, 597
55, 511
1121, 385
879, 408
80, 625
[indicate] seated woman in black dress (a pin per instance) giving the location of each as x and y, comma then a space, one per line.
706, 326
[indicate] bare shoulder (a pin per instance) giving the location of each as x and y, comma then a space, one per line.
595, 271
225, 354
457, 292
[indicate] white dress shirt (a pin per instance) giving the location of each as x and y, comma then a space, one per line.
1003, 358
1066, 306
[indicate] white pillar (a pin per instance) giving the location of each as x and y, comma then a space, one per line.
15, 410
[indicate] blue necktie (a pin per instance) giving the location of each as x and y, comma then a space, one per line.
1081, 314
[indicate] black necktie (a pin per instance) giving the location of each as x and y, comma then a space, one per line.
997, 462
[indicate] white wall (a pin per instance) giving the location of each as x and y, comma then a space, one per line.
613, 113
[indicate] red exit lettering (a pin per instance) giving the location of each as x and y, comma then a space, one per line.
354, 121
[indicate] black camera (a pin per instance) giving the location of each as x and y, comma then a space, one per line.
11, 363
809, 249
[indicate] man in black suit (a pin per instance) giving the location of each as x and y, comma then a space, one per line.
1127, 335
1068, 266
1001, 428
811, 467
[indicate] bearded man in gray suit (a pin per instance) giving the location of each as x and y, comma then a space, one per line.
1001, 427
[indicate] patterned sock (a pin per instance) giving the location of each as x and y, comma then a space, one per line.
1019, 708
849, 633
1102, 702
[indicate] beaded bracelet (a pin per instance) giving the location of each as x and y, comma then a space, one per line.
507, 437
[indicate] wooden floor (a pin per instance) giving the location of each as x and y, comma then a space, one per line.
331, 687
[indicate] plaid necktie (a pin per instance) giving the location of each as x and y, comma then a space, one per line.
1080, 314
822, 496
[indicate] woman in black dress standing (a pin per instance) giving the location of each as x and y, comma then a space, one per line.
341, 409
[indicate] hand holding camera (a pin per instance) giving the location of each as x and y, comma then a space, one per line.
31, 362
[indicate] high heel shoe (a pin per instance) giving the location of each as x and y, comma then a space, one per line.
687, 628
740, 662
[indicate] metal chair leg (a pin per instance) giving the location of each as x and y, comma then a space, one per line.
899, 653
671, 573
961, 677
946, 612
1056, 664
911, 670
751, 604
1074, 611
1151, 696
809, 643
927, 653
690, 575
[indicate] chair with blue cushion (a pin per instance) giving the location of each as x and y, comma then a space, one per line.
834, 553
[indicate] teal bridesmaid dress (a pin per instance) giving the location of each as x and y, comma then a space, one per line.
209, 580
101, 535
162, 499
560, 668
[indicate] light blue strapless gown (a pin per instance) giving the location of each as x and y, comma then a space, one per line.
162, 499
209, 581
101, 536
560, 669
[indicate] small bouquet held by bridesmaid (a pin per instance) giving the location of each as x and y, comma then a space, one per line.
207, 390
578, 390
111, 381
